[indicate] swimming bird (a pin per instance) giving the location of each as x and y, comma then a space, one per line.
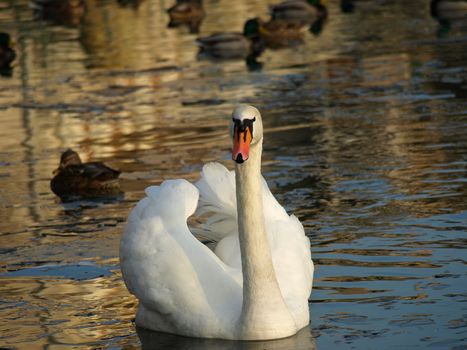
233, 45
347, 6
299, 11
130, 3
448, 9
7, 53
75, 178
187, 12
59, 12
450, 14
253, 285
278, 33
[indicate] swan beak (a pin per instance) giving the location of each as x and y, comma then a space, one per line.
241, 144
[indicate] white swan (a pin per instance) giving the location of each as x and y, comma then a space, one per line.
256, 283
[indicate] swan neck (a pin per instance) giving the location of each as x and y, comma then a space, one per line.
250, 210
261, 291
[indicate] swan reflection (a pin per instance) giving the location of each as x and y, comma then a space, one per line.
155, 340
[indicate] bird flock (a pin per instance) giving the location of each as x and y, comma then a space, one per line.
286, 26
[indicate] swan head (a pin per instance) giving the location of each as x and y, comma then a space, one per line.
246, 130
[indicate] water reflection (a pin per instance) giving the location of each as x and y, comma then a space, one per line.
154, 340
364, 141
68, 312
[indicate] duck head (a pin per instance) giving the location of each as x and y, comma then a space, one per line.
5, 40
69, 157
251, 28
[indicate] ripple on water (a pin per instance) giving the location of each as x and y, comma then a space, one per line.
364, 141
80, 271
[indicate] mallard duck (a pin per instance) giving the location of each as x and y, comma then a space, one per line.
278, 33
299, 11
233, 45
75, 178
60, 12
7, 54
449, 14
187, 12
130, 3
448, 9
347, 6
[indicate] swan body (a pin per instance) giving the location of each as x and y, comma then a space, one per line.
253, 285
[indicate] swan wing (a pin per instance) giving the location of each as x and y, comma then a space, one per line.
218, 198
182, 286
291, 257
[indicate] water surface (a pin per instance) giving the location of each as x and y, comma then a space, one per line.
365, 142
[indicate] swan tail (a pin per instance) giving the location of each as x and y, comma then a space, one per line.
157, 270
174, 201
152, 228
181, 284
155, 256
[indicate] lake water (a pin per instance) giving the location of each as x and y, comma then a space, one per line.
366, 142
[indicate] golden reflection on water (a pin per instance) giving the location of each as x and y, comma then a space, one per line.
364, 132
61, 312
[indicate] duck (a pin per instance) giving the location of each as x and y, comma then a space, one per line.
278, 33
299, 11
7, 53
229, 45
450, 14
75, 178
187, 12
448, 9
130, 3
347, 6
59, 12
252, 283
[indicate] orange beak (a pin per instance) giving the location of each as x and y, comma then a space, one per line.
241, 145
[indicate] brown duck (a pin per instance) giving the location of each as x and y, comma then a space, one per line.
187, 12
278, 33
303, 12
75, 178
59, 12
7, 54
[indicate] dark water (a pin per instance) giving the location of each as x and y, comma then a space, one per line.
366, 141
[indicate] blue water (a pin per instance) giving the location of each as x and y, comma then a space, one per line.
365, 141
